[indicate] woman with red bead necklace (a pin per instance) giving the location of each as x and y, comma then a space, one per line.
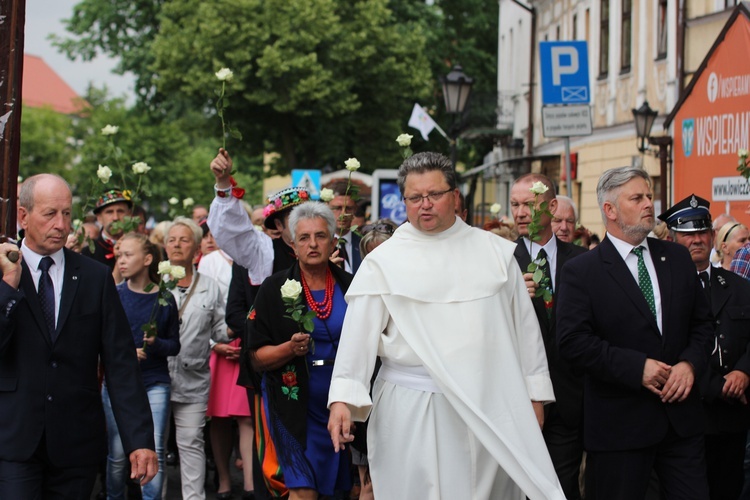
296, 366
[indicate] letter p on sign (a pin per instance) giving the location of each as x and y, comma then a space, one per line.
560, 54
564, 68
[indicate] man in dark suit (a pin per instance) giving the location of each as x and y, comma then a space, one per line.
59, 315
724, 384
347, 242
563, 432
632, 314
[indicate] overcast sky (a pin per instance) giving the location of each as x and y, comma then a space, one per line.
44, 17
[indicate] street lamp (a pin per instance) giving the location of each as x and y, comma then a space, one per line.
456, 91
644, 118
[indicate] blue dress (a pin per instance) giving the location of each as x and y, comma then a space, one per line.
330, 470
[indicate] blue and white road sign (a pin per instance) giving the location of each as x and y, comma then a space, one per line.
565, 72
308, 179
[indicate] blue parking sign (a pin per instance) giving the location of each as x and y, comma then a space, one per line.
565, 72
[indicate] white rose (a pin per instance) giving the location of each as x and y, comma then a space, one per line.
495, 208
188, 202
140, 168
104, 173
110, 130
538, 188
177, 272
164, 267
404, 140
173, 201
291, 289
352, 164
225, 75
742, 153
326, 194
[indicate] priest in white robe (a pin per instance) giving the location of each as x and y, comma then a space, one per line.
457, 407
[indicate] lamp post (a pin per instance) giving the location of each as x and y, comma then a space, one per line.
456, 91
644, 118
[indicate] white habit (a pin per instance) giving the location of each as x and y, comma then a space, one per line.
463, 358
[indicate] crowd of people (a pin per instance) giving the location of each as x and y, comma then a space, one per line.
526, 359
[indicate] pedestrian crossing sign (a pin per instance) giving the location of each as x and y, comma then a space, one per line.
309, 180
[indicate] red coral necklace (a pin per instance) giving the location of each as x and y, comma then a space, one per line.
322, 309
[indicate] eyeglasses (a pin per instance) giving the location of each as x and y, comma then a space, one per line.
378, 228
417, 199
339, 208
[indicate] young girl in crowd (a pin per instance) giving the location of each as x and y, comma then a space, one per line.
138, 262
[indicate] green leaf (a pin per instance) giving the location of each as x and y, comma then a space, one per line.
285, 390
542, 262
235, 134
295, 390
308, 325
149, 287
296, 315
547, 295
538, 275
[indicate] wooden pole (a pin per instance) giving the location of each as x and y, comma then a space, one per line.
12, 21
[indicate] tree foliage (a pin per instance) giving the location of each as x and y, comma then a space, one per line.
316, 81
177, 151
47, 142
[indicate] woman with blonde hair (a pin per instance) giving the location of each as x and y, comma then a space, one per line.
729, 239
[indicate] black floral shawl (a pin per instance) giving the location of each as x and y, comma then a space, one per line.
287, 387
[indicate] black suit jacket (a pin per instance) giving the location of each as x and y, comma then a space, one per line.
605, 326
730, 307
356, 255
567, 382
239, 301
51, 391
103, 252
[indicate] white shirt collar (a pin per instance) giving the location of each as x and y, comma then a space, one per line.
32, 258
624, 248
550, 247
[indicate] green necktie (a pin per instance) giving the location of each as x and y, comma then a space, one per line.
644, 280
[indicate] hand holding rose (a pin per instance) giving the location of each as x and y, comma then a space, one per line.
221, 166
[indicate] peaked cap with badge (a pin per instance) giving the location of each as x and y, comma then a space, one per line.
689, 215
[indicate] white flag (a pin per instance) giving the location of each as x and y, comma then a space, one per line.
421, 121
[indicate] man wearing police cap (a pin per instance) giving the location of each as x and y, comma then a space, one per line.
724, 385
